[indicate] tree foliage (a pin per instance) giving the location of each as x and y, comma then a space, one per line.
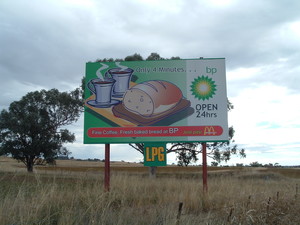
154, 56
137, 57
30, 128
256, 164
134, 57
184, 158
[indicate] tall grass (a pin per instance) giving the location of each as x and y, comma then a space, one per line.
242, 197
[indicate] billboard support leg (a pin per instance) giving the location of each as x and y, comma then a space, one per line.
107, 168
204, 177
204, 168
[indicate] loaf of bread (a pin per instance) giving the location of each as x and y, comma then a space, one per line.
151, 98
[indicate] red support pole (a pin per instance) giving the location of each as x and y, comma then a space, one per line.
107, 167
204, 167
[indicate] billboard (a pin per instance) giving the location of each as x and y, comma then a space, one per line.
156, 101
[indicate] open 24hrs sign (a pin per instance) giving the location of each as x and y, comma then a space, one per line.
155, 154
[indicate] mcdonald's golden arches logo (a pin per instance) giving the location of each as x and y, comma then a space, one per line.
209, 131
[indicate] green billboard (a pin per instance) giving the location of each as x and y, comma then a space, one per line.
155, 101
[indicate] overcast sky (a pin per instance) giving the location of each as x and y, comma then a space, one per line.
45, 44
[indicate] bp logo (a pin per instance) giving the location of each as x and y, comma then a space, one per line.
203, 88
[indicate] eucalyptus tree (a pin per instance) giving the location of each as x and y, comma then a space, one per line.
31, 128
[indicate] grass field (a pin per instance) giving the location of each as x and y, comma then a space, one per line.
72, 193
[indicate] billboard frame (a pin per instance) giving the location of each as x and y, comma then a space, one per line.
94, 134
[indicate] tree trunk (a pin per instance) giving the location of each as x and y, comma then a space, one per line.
29, 168
152, 171
29, 164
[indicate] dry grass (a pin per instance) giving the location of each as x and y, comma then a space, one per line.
74, 196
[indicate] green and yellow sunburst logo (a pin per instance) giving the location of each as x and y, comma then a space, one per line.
203, 88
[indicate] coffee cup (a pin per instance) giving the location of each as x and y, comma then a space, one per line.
122, 78
102, 89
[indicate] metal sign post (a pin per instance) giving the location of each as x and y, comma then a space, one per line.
204, 167
107, 168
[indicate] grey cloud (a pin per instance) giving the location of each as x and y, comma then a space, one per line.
45, 43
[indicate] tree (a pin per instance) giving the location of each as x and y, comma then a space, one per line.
29, 129
154, 56
134, 57
214, 163
255, 164
276, 164
186, 157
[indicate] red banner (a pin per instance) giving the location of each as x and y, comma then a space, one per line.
97, 132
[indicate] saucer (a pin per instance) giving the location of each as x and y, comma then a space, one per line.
118, 94
103, 105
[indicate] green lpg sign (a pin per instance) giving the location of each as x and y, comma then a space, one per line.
155, 101
155, 154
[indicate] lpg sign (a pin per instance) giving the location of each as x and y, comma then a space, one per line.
155, 154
